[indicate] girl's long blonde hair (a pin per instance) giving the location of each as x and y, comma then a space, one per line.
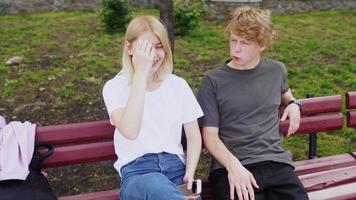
137, 27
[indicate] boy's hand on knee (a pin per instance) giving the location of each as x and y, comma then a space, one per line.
241, 181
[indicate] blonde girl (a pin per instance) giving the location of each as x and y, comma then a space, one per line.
149, 105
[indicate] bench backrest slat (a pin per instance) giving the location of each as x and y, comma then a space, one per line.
351, 118
316, 124
319, 105
94, 151
351, 106
76, 132
80, 142
81, 153
318, 114
351, 100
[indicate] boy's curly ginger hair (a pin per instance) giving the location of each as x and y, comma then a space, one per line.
252, 24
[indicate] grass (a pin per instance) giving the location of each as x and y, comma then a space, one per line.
68, 58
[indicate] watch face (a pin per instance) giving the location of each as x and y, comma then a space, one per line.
299, 102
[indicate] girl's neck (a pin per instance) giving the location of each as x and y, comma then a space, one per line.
153, 85
152, 78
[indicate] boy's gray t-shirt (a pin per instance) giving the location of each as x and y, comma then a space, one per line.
244, 104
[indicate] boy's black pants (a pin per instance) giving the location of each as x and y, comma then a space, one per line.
276, 181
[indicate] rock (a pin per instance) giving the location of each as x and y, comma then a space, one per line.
90, 54
14, 61
30, 107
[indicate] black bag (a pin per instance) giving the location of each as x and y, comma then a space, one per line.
36, 186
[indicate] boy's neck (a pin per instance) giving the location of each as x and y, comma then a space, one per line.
251, 65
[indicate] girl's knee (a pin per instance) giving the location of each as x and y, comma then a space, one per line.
153, 186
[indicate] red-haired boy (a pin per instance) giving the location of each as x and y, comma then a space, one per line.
240, 101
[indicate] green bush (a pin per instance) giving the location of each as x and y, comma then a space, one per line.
114, 15
186, 18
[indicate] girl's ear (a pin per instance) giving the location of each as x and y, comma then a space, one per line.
128, 47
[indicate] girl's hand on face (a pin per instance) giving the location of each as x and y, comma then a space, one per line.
142, 57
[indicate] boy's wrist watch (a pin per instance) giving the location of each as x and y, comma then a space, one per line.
298, 102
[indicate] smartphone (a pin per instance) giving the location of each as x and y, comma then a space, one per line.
196, 188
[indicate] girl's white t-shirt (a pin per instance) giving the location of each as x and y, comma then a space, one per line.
166, 109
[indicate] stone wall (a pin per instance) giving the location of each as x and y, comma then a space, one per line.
29, 6
144, 3
219, 8
292, 6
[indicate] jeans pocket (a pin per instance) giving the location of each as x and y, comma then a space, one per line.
126, 168
178, 158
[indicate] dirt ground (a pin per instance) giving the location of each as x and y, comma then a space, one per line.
75, 179
83, 178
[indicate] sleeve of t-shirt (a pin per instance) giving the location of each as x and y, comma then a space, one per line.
113, 98
208, 102
191, 108
284, 86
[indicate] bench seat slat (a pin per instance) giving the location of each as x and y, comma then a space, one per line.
324, 164
81, 153
326, 179
315, 124
342, 192
315, 181
72, 133
102, 195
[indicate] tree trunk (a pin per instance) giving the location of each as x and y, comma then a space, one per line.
166, 15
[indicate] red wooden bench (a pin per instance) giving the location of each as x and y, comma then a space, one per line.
93, 141
344, 187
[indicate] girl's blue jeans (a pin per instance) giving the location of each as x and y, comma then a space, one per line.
152, 177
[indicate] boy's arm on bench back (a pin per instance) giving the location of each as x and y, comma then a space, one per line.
292, 111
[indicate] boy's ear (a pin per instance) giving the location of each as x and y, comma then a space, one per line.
128, 47
262, 48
